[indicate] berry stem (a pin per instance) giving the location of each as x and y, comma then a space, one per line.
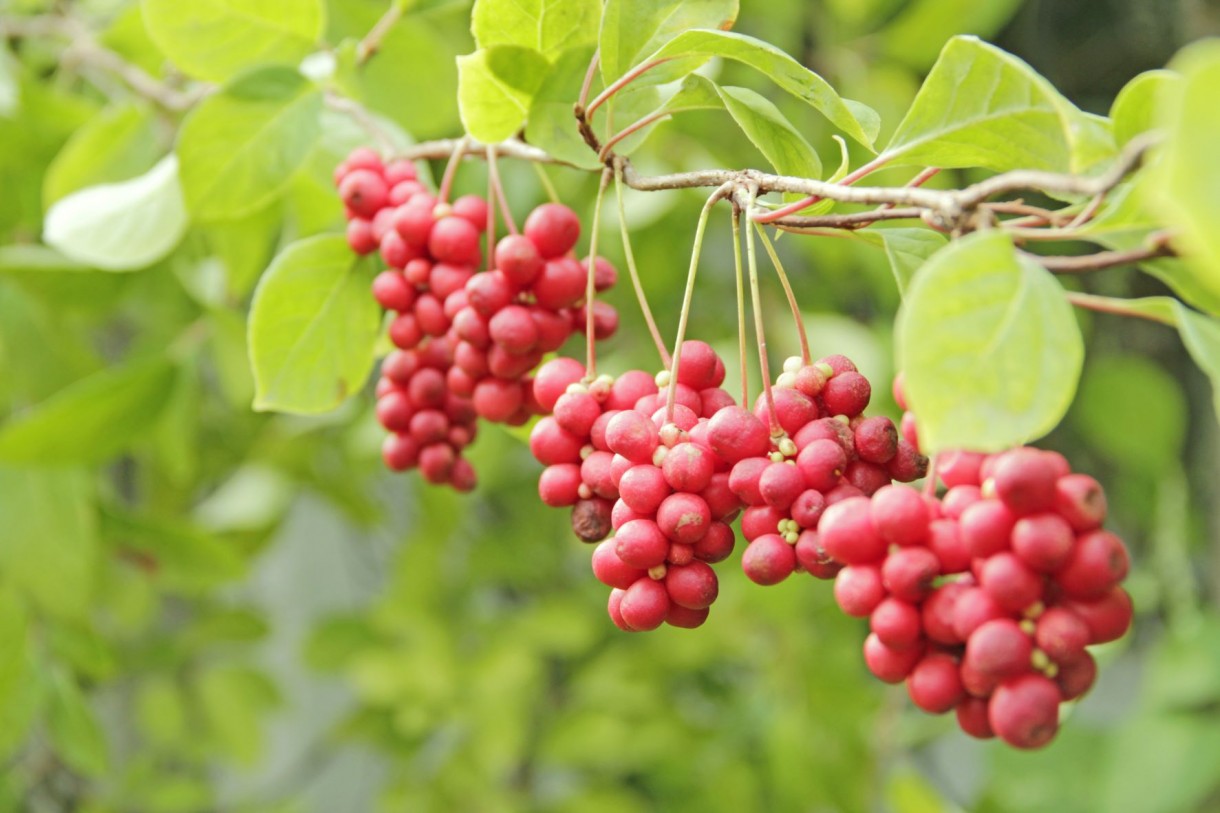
497, 190
763, 366
929, 486
442, 194
806, 357
618, 84
639, 124
919, 180
635, 274
545, 180
590, 288
493, 181
848, 179
741, 307
589, 75
687, 296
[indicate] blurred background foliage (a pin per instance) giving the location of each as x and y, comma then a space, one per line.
203, 608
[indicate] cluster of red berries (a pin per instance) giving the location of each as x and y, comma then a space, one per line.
615, 452
467, 340
825, 452
985, 600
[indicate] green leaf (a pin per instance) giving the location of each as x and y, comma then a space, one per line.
91, 420
546, 26
1113, 411
121, 226
25, 259
10, 86
232, 700
119, 143
633, 29
1134, 109
769, 130
856, 120
989, 346
915, 35
313, 327
1201, 335
1185, 180
216, 39
14, 631
907, 249
551, 125
496, 87
983, 107
240, 147
187, 559
75, 730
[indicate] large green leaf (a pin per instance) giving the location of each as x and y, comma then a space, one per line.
1135, 108
313, 327
240, 147
119, 143
633, 29
1201, 335
983, 107
989, 346
915, 35
496, 87
546, 26
49, 545
856, 120
907, 249
1185, 180
769, 130
91, 420
216, 39
74, 727
121, 226
552, 126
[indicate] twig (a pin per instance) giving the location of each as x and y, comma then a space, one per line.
368, 47
1102, 259
1118, 307
363, 117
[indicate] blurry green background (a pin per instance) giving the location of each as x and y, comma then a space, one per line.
209, 609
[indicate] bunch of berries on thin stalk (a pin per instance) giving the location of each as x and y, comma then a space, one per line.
984, 601
806, 449
627, 462
467, 340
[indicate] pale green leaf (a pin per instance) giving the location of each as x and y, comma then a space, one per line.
74, 727
31, 258
188, 559
1185, 184
1201, 335
771, 132
496, 87
551, 125
989, 347
856, 120
121, 226
91, 420
216, 39
915, 35
633, 29
1134, 109
907, 249
313, 327
239, 148
49, 546
546, 26
983, 107
119, 143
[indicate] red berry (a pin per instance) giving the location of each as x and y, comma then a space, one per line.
808, 507
889, 664
858, 590
550, 444
1108, 617
1042, 541
628, 388
1097, 563
908, 573
716, 545
605, 275
1024, 712
558, 485
848, 534
935, 685
1076, 676
496, 399
958, 499
1080, 500
986, 528
1025, 479
400, 452
1012, 583
394, 411
938, 611
693, 586
614, 608
560, 284
896, 623
518, 259
688, 467
643, 488
697, 365
876, 439
553, 378
946, 542
972, 718
780, 484
633, 436
973, 608
436, 462
454, 240
907, 465
846, 393
822, 463
684, 617
999, 648
760, 520
735, 433
959, 468
1061, 634
900, 515
472, 209
640, 544
793, 409
683, 518
644, 605
364, 192
553, 228
768, 560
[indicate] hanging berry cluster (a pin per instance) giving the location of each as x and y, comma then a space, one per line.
467, 340
983, 600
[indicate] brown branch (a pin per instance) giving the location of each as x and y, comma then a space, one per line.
853, 220
1158, 247
368, 47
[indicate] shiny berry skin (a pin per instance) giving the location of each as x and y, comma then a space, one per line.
553, 229
935, 685
693, 586
768, 560
644, 605
1024, 711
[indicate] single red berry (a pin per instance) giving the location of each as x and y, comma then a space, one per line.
473, 209
888, 664
958, 499
868, 477
900, 515
1108, 617
907, 465
972, 718
633, 435
684, 617
688, 467
1025, 479
560, 284
960, 468
1012, 583
1061, 634
1076, 676
848, 534
760, 520
808, 507
640, 544
364, 192
908, 573
999, 648
693, 586
935, 685
946, 542
496, 399
896, 623
644, 605
553, 228
559, 485
436, 463
858, 590
683, 518
793, 409
553, 378
986, 528
973, 608
716, 545
628, 388
876, 439
1024, 711
454, 240
399, 451
643, 488
697, 365
550, 444
846, 393
1042, 541
605, 275
1097, 563
938, 611
735, 433
780, 484
768, 560
1080, 500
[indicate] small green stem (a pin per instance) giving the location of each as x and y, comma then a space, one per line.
635, 273
442, 194
497, 190
640, 124
545, 180
618, 84
590, 286
1119, 307
763, 366
687, 296
806, 357
848, 179
589, 74
741, 309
